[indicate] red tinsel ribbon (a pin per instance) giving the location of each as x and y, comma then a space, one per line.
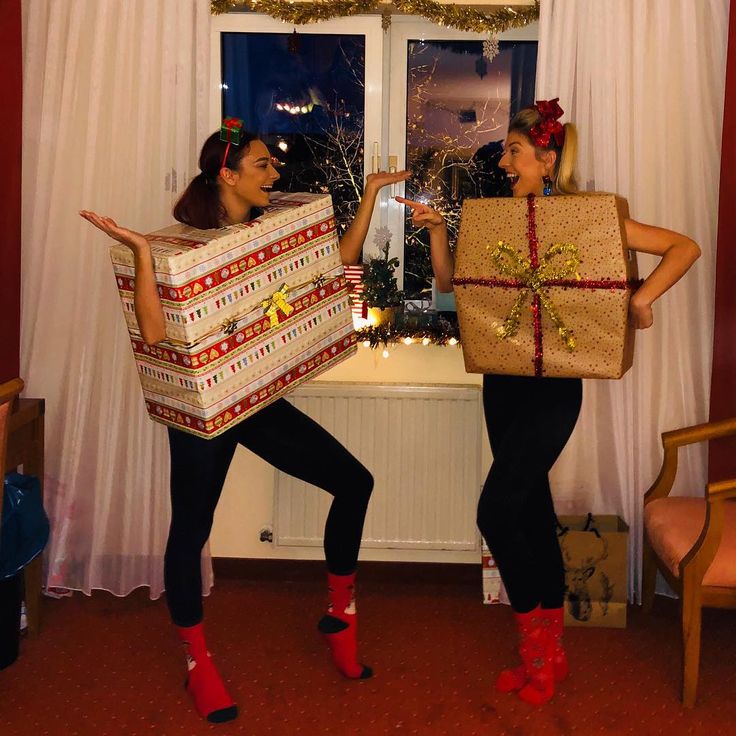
536, 307
549, 127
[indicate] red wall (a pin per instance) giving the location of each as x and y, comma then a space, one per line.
722, 455
10, 170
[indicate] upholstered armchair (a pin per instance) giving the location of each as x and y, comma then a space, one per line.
692, 541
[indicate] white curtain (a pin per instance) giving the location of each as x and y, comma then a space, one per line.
644, 82
115, 108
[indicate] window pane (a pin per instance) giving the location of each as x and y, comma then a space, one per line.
304, 96
458, 109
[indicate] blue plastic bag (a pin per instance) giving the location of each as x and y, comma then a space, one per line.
24, 529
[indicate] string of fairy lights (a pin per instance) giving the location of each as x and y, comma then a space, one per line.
375, 336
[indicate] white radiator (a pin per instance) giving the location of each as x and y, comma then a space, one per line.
423, 446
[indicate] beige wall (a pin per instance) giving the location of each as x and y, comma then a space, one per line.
246, 505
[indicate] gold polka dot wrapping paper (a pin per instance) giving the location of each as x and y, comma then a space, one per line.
543, 284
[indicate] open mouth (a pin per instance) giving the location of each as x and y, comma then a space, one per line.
513, 178
266, 188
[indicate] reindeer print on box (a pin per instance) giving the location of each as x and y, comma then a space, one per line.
594, 550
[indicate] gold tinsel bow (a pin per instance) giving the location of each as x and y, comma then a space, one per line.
277, 301
533, 281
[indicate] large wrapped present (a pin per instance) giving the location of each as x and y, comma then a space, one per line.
543, 286
251, 311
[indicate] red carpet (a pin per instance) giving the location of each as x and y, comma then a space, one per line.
107, 666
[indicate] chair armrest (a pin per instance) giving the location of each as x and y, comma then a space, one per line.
677, 438
721, 490
699, 433
10, 389
697, 561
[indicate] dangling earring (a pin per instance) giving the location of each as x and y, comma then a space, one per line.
547, 186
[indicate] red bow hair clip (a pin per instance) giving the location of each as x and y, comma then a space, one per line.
549, 127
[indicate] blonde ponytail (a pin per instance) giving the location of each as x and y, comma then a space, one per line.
564, 178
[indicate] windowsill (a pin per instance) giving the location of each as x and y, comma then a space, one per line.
411, 364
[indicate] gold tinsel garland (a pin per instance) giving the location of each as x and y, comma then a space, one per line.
452, 16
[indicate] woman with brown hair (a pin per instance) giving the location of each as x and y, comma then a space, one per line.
232, 187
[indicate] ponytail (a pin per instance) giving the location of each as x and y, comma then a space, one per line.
564, 178
199, 204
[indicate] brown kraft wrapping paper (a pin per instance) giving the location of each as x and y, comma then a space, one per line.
563, 262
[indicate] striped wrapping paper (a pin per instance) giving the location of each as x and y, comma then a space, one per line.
354, 276
251, 311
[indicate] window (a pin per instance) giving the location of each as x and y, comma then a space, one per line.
337, 99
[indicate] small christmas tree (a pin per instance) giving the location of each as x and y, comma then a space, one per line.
379, 279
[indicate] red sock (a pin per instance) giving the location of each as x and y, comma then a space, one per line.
340, 627
556, 619
204, 683
515, 678
535, 648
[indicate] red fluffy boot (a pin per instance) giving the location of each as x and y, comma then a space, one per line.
204, 683
512, 679
340, 627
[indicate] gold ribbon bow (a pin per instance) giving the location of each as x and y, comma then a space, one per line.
277, 301
229, 326
533, 281
319, 280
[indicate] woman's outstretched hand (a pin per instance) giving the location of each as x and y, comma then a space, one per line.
422, 215
135, 241
383, 178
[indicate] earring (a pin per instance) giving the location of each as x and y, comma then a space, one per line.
547, 185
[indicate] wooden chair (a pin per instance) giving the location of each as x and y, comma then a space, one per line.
8, 393
692, 541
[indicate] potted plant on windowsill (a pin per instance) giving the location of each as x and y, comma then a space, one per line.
380, 289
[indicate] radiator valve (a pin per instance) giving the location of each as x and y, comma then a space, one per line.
266, 534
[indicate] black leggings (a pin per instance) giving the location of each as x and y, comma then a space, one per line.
293, 443
529, 421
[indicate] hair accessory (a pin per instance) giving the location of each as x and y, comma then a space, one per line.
230, 132
547, 186
549, 127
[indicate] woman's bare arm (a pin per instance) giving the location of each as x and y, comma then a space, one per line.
148, 310
678, 253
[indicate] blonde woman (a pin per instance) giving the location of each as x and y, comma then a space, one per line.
530, 419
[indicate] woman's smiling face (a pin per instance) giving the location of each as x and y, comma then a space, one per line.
526, 172
256, 175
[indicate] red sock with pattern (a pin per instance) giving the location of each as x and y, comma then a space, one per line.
204, 683
340, 627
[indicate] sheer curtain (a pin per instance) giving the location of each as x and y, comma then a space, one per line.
114, 112
644, 82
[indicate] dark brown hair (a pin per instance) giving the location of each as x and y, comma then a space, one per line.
199, 204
